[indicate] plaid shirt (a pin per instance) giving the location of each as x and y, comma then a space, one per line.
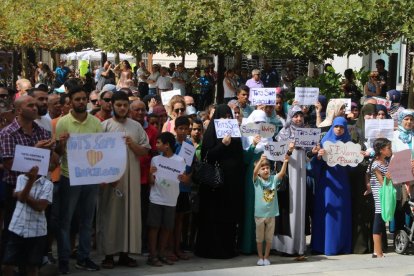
13, 135
26, 222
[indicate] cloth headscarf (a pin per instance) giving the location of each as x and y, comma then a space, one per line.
332, 111
257, 116
405, 135
360, 123
394, 96
330, 135
288, 131
380, 107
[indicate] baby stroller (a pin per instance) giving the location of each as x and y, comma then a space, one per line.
404, 238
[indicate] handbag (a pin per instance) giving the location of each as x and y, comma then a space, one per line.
388, 200
209, 175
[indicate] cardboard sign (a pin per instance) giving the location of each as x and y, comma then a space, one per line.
167, 95
227, 127
307, 137
348, 154
96, 158
26, 158
265, 130
263, 96
276, 151
168, 168
344, 101
400, 167
383, 102
306, 95
187, 152
376, 128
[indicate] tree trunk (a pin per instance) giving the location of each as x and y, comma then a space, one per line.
15, 71
220, 77
410, 103
117, 59
104, 58
25, 67
237, 60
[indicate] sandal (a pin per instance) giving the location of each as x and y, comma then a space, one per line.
182, 256
154, 261
108, 263
165, 260
301, 258
125, 260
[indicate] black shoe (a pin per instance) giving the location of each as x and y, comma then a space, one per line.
87, 264
63, 267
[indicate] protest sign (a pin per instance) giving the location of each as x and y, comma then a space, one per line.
344, 101
400, 167
307, 137
187, 152
227, 127
27, 157
96, 157
343, 154
167, 95
276, 151
376, 128
168, 168
262, 96
306, 95
265, 130
383, 102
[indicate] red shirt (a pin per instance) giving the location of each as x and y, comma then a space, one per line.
145, 161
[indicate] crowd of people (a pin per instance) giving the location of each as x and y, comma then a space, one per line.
260, 202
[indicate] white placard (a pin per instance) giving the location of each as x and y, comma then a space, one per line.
168, 168
348, 154
383, 102
345, 101
306, 95
227, 127
96, 158
27, 157
276, 151
376, 128
187, 152
400, 167
167, 95
263, 96
307, 137
265, 130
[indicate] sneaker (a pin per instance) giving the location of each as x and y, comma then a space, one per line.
266, 262
63, 267
260, 262
87, 264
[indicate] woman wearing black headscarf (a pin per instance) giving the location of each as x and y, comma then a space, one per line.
220, 209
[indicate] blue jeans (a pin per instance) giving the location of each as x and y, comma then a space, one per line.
152, 91
69, 197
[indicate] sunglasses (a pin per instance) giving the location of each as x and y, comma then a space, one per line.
107, 100
177, 110
198, 129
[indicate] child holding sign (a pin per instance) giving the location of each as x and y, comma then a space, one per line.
163, 199
266, 205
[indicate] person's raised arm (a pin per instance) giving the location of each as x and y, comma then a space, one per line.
257, 167
282, 171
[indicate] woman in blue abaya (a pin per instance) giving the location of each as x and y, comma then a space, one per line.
331, 224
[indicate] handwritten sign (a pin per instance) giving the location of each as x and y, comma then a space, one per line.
307, 137
400, 167
263, 96
376, 128
96, 158
383, 102
348, 154
265, 130
344, 101
306, 95
227, 127
187, 152
27, 157
168, 168
276, 151
167, 95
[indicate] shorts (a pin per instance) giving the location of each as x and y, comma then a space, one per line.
161, 216
265, 228
183, 203
21, 251
379, 225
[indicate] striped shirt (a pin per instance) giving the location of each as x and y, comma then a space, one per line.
375, 184
27, 222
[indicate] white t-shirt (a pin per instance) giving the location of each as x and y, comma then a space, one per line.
154, 77
179, 85
164, 82
165, 192
228, 93
45, 122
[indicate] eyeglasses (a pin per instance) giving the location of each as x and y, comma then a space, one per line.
198, 129
178, 110
94, 101
107, 100
4, 96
